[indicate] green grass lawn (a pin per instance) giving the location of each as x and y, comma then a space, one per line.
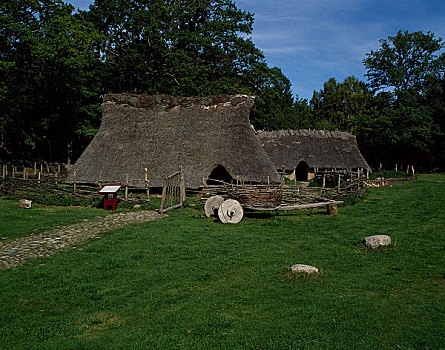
15, 222
190, 282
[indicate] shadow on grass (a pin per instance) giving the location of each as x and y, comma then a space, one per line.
302, 277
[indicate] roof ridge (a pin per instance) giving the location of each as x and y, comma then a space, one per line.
306, 132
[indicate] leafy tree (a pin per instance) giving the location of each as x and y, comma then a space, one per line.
275, 103
55, 63
49, 88
405, 61
338, 105
435, 99
406, 65
189, 48
174, 47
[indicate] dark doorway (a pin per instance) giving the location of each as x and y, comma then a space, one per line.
219, 174
301, 171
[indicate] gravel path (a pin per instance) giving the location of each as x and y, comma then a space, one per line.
16, 252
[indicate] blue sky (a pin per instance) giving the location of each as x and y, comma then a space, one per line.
314, 40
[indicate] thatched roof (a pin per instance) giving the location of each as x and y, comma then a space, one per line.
164, 133
318, 148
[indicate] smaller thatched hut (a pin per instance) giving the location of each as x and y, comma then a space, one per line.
304, 152
208, 137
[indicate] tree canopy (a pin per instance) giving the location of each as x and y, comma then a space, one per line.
55, 63
405, 61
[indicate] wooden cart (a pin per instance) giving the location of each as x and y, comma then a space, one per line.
230, 204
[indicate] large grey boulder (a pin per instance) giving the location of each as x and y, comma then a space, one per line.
301, 268
377, 241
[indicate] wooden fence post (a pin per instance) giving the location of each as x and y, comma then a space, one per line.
24, 173
381, 174
146, 185
395, 171
74, 183
41, 168
35, 168
126, 186
338, 183
13, 171
414, 175
182, 187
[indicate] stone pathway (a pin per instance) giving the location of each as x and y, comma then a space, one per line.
17, 251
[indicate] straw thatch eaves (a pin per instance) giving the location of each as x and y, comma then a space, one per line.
315, 148
206, 136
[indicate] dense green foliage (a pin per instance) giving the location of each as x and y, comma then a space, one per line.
399, 116
55, 64
49, 84
190, 282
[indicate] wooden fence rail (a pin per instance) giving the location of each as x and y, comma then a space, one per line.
52, 185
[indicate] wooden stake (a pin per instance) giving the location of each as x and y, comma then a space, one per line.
338, 183
381, 174
182, 188
35, 168
126, 186
74, 184
146, 185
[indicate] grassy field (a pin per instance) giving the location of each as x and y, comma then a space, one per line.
15, 222
190, 282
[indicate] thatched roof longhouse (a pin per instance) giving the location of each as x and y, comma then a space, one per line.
318, 148
164, 133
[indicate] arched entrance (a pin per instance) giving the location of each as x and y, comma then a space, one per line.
218, 174
301, 171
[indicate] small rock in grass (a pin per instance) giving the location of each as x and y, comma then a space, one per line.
377, 241
137, 206
301, 268
25, 204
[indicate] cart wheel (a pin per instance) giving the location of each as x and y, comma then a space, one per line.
230, 211
212, 204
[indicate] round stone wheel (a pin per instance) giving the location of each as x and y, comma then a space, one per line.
230, 212
212, 204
